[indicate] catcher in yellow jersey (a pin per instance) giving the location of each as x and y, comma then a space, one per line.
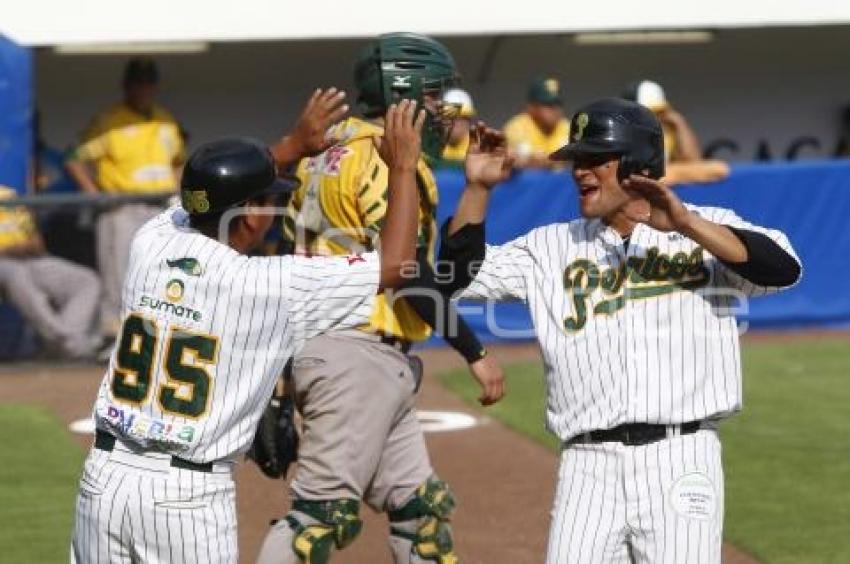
355, 389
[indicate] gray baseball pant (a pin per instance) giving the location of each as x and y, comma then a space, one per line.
57, 297
115, 231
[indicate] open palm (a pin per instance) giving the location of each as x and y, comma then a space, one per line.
487, 160
666, 211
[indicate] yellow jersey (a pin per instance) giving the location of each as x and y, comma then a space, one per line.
456, 153
525, 138
670, 141
133, 153
16, 224
340, 207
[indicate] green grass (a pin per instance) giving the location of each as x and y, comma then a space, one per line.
39, 470
787, 456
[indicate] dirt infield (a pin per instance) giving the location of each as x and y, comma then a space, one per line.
504, 482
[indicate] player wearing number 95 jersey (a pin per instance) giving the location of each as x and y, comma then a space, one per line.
207, 330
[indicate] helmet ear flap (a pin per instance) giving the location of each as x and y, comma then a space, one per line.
628, 166
658, 164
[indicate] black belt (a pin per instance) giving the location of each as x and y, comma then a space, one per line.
636, 434
106, 441
397, 343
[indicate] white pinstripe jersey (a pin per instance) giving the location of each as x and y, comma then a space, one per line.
207, 331
644, 335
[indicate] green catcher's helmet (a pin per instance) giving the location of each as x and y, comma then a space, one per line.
406, 65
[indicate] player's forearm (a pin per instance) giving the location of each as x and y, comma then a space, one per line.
752, 255
286, 152
688, 147
461, 254
463, 339
31, 248
717, 239
436, 309
472, 207
767, 263
699, 171
78, 171
398, 236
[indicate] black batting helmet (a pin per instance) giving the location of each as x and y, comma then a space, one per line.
613, 126
224, 174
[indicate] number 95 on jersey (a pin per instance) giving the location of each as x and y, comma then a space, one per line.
160, 370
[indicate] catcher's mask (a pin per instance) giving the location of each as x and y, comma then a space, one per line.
409, 66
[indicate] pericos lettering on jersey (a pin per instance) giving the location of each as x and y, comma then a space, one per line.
638, 278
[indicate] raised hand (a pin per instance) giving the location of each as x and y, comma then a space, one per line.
656, 205
400, 146
487, 160
324, 109
309, 135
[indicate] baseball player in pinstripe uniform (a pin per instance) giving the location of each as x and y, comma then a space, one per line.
633, 308
207, 330
361, 438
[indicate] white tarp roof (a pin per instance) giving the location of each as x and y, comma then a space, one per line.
55, 22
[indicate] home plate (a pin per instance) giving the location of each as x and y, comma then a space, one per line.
82, 426
441, 421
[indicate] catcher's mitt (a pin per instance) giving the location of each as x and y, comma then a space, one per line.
275, 444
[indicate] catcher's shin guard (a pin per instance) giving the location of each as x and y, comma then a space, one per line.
310, 531
420, 531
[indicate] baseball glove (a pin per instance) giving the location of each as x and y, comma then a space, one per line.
275, 444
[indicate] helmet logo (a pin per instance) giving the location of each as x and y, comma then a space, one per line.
402, 81
551, 86
581, 123
196, 201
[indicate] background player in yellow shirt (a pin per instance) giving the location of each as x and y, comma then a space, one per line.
454, 154
134, 147
541, 129
361, 438
58, 298
681, 143
682, 152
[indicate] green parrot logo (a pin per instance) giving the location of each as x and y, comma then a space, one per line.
189, 266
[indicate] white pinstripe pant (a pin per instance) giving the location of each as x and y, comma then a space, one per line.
152, 513
658, 503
